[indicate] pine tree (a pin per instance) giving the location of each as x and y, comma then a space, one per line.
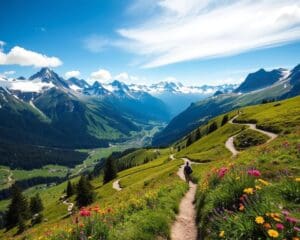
110, 170
36, 205
18, 210
85, 192
70, 189
212, 127
189, 141
197, 134
224, 120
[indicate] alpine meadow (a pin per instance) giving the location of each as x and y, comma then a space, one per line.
149, 120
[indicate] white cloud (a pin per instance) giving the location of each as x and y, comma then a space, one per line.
73, 73
95, 43
101, 75
123, 77
2, 43
199, 29
20, 56
170, 79
9, 72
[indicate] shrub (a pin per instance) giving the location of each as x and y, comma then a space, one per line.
249, 138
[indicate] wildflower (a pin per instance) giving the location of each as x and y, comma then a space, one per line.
273, 233
267, 225
249, 190
242, 207
254, 173
81, 225
84, 212
296, 238
285, 212
297, 229
259, 220
222, 171
263, 182
258, 187
297, 179
279, 226
277, 219
237, 178
222, 234
291, 220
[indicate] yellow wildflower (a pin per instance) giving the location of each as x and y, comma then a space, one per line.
277, 219
237, 178
273, 233
258, 187
222, 234
249, 190
264, 182
297, 179
259, 220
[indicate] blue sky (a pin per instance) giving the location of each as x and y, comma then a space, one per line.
195, 42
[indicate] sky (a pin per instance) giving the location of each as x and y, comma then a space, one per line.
195, 42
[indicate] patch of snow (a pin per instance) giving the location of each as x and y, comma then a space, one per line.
75, 88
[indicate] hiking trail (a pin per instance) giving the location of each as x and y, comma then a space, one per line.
229, 143
184, 226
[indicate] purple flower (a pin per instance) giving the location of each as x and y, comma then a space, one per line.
292, 220
297, 229
279, 226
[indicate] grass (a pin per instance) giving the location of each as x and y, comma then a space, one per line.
249, 138
211, 147
147, 205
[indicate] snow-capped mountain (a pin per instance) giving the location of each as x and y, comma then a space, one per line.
179, 88
178, 96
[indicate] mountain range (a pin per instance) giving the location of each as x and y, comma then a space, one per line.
258, 87
49, 110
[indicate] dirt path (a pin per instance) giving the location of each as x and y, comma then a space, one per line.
70, 205
9, 177
116, 185
184, 227
229, 143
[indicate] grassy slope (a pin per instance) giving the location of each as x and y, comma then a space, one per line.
272, 159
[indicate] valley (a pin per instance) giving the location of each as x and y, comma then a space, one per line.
112, 138
150, 193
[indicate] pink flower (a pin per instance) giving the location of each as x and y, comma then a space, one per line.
297, 229
279, 226
84, 212
285, 212
254, 172
222, 171
292, 220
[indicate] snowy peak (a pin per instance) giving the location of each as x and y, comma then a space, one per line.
46, 75
96, 89
77, 85
261, 79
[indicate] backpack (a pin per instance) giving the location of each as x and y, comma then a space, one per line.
188, 170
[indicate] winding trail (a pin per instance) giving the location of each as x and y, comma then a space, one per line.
184, 226
116, 185
9, 177
229, 143
70, 205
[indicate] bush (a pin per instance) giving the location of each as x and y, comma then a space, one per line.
249, 138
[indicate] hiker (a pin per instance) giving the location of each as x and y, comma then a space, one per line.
187, 172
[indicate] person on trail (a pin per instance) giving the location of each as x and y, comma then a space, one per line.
187, 172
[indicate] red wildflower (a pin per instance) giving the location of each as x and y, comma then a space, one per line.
222, 171
84, 212
254, 172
